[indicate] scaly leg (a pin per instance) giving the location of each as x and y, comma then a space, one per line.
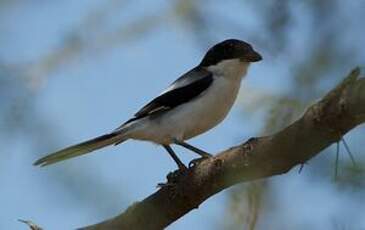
192, 148
179, 163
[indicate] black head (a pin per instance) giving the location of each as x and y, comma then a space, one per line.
230, 49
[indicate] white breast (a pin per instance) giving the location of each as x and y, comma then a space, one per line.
203, 113
211, 108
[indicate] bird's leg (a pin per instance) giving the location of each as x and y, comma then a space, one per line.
192, 148
202, 153
179, 163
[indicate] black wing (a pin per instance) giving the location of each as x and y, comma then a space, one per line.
184, 89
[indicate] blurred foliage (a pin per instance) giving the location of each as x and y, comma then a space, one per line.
314, 28
19, 117
246, 203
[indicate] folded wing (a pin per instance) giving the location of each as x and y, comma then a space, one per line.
183, 90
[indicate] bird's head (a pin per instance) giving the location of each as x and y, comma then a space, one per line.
229, 50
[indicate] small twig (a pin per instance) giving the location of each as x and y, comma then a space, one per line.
30, 224
348, 151
301, 168
337, 160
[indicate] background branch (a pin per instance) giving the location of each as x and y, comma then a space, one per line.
324, 123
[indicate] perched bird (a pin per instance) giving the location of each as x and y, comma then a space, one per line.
194, 103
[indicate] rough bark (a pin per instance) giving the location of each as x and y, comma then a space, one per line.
323, 124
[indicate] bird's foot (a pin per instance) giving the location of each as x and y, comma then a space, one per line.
173, 177
197, 161
182, 168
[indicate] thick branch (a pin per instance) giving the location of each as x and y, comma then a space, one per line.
322, 124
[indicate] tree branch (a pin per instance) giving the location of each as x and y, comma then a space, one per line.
322, 124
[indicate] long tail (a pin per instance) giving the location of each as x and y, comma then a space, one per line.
81, 149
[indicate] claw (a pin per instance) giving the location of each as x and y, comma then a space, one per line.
173, 178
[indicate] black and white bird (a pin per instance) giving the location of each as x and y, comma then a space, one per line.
193, 104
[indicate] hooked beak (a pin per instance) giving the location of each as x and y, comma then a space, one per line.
253, 56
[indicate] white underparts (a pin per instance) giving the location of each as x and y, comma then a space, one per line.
197, 116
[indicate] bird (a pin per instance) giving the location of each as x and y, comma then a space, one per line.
193, 104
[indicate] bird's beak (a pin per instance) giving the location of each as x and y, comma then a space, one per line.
252, 56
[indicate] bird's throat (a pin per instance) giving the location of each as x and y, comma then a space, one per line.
231, 69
